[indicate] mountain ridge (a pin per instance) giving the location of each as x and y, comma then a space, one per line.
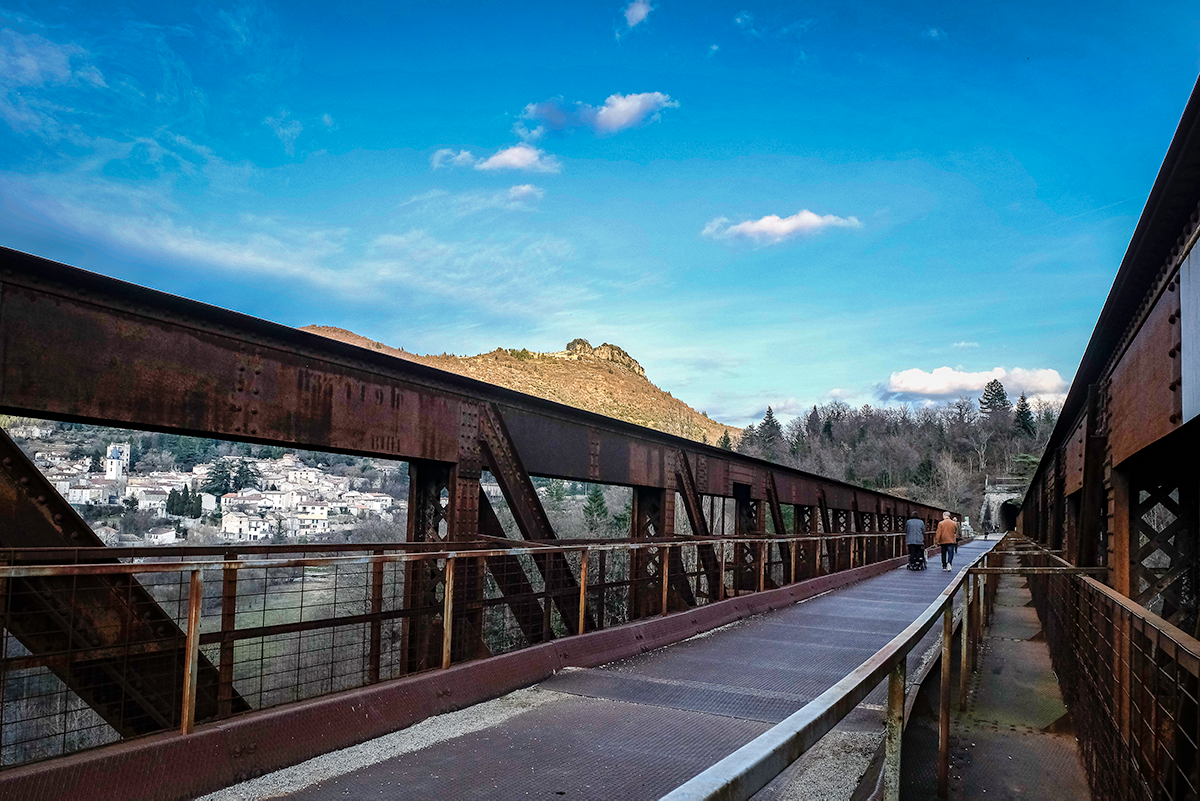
604, 379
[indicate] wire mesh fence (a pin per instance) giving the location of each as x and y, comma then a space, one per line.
1130, 680
97, 649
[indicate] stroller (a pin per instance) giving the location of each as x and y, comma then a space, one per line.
917, 561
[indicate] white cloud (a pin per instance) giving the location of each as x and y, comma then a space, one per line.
636, 12
619, 113
327, 121
287, 130
520, 157
949, 382
965, 344
936, 34
713, 50
773, 229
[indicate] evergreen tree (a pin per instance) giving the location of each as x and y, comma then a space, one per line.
725, 443
748, 444
94, 465
1023, 422
173, 502
197, 508
556, 493
770, 437
219, 480
994, 401
595, 511
245, 476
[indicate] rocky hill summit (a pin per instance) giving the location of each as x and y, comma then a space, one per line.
603, 379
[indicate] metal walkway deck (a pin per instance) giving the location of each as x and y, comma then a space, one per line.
637, 728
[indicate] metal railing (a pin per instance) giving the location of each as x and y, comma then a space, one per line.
750, 768
1130, 680
245, 628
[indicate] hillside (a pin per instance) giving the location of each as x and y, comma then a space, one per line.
605, 380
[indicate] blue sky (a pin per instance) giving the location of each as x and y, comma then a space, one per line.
763, 203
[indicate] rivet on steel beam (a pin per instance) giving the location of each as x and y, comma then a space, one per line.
1174, 418
1171, 319
1171, 287
58, 518
74, 535
41, 499
1172, 353
7, 461
24, 481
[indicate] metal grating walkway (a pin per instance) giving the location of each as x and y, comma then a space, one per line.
637, 728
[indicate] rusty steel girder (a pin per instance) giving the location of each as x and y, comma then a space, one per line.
83, 347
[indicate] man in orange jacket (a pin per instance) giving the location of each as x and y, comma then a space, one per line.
947, 537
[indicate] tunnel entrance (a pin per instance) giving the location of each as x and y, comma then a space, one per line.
1008, 515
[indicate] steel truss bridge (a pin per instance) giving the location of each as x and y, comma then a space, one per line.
116, 662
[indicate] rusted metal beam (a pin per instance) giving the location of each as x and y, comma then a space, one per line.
79, 346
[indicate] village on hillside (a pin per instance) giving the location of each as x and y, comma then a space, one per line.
279, 497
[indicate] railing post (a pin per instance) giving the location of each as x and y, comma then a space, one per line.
978, 622
448, 613
228, 625
374, 656
603, 590
192, 657
664, 558
944, 703
762, 564
721, 588
794, 550
583, 577
964, 656
895, 729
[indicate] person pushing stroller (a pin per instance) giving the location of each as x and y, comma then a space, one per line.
914, 530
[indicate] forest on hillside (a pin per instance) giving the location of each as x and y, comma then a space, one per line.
940, 454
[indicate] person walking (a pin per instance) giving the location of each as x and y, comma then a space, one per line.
914, 530
947, 537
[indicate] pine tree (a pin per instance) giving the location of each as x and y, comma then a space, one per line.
556, 493
994, 402
197, 505
173, 502
246, 476
595, 511
725, 443
219, 480
1023, 422
770, 437
748, 444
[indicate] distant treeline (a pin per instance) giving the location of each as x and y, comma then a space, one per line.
935, 454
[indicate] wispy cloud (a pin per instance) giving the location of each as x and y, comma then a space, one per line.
935, 34
751, 25
30, 63
947, 382
523, 197
523, 277
712, 50
286, 129
965, 344
523, 157
619, 113
773, 229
